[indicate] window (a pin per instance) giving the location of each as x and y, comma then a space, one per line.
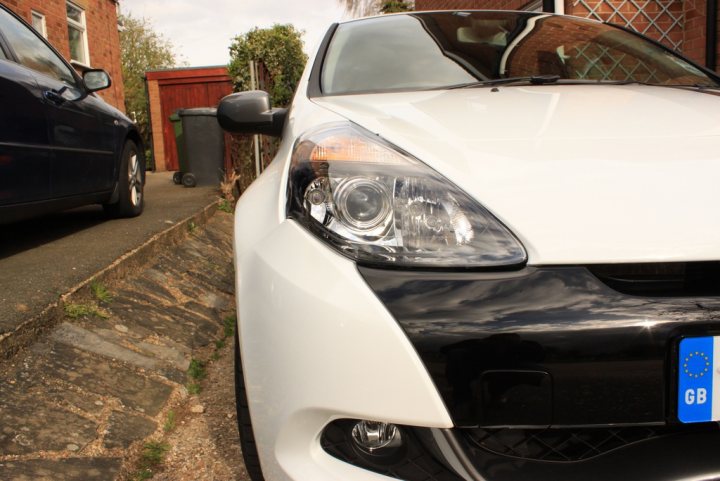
32, 51
77, 34
38, 23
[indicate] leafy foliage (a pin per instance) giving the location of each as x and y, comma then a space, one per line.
141, 49
280, 49
362, 8
393, 6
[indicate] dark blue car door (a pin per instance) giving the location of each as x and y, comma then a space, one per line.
83, 137
79, 129
25, 152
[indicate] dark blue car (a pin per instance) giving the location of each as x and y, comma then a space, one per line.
61, 146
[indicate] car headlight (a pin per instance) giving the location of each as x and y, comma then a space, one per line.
379, 205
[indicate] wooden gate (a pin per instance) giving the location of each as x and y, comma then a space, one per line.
171, 90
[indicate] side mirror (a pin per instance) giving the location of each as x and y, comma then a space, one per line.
96, 79
250, 113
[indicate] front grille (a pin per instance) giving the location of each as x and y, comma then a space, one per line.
571, 444
661, 279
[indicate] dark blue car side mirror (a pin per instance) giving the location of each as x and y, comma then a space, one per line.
96, 79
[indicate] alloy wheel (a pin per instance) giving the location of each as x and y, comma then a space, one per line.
134, 179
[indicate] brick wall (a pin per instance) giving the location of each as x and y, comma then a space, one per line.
104, 46
664, 27
102, 33
55, 19
156, 127
694, 39
692, 35
610, 64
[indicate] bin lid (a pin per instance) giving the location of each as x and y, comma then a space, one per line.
200, 112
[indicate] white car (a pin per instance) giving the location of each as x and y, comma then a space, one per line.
486, 250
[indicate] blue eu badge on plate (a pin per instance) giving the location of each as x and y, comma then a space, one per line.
697, 380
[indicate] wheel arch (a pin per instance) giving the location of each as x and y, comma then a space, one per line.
134, 135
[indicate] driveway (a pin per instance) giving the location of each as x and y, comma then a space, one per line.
43, 258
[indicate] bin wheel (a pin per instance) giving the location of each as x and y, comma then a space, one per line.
177, 178
188, 180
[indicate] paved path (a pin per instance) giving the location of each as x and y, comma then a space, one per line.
45, 257
72, 404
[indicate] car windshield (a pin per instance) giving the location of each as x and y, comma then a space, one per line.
435, 50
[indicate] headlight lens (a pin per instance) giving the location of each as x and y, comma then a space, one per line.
377, 204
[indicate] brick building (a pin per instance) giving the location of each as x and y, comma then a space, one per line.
687, 26
83, 31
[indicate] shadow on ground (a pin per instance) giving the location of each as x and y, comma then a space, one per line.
29, 234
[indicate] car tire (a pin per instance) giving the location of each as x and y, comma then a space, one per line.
245, 429
131, 183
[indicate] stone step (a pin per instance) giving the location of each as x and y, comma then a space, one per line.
73, 404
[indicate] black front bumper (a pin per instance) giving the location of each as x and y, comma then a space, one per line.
544, 347
689, 452
549, 374
678, 457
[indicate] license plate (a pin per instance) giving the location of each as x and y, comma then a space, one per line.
699, 380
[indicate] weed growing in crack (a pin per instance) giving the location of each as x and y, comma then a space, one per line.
152, 457
169, 421
142, 475
196, 370
229, 325
192, 227
76, 310
101, 293
228, 331
225, 205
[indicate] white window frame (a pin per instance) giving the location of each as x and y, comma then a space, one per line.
39, 16
81, 26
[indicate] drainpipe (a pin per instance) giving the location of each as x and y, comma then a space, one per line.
711, 35
256, 137
553, 6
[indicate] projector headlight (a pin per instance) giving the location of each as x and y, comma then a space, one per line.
379, 205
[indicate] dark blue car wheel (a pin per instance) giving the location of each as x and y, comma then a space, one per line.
131, 183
